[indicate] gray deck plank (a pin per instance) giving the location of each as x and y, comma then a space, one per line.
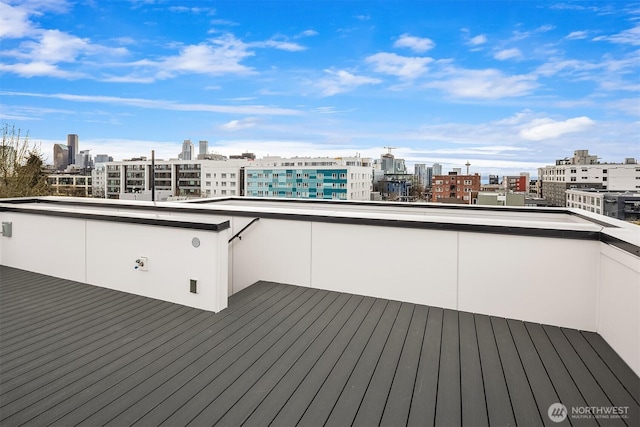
180, 388
248, 367
76, 354
568, 392
38, 400
54, 352
375, 398
323, 402
474, 405
284, 403
524, 406
284, 376
39, 313
396, 411
425, 392
115, 393
588, 386
346, 408
613, 389
542, 388
74, 327
147, 387
621, 370
448, 405
495, 386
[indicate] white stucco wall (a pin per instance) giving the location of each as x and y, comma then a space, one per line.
618, 293
103, 253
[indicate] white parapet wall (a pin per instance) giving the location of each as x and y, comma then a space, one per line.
559, 278
157, 258
618, 315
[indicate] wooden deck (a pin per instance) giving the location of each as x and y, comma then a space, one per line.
284, 355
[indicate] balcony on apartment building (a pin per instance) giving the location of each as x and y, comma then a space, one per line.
297, 312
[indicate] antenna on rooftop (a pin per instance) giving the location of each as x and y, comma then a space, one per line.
467, 165
390, 148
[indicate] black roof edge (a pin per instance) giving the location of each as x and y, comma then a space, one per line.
474, 228
125, 219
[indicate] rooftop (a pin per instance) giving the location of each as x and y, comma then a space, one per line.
79, 354
253, 310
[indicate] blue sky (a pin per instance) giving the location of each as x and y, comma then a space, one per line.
507, 85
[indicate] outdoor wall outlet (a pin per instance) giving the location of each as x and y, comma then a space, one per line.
6, 229
193, 286
142, 264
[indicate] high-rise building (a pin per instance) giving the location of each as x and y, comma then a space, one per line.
437, 169
60, 156
187, 150
203, 148
420, 172
73, 144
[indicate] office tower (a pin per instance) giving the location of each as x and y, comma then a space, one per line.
60, 156
73, 144
204, 148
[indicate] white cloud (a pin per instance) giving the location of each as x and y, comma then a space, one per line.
417, 44
14, 22
41, 69
219, 56
276, 44
196, 10
508, 54
541, 129
235, 125
55, 46
308, 33
556, 66
478, 40
401, 66
630, 36
343, 81
577, 35
484, 84
161, 104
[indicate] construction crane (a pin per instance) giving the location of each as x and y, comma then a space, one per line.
389, 148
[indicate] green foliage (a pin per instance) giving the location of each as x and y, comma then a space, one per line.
22, 171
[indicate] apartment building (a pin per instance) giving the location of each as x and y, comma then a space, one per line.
620, 205
583, 171
309, 182
333, 178
181, 177
454, 187
66, 184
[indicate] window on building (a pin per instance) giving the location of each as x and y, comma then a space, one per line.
208, 175
232, 175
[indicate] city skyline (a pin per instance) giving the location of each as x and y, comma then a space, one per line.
511, 94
